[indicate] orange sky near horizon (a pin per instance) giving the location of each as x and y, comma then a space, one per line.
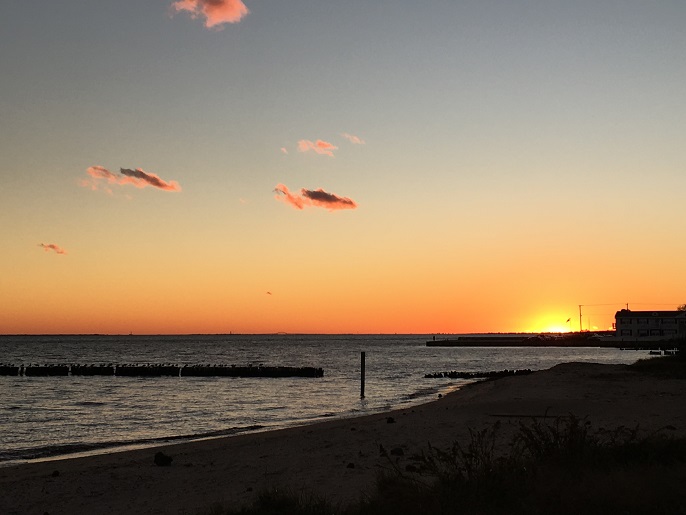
433, 291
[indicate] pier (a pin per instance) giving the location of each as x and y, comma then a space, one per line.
596, 339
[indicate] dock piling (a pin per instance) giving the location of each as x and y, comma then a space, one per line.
362, 365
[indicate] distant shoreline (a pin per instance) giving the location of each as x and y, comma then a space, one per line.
418, 335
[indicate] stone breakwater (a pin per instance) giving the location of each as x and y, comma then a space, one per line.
453, 374
157, 370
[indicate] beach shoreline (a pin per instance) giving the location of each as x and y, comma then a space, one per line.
339, 459
97, 449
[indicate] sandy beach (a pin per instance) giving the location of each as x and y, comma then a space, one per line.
338, 459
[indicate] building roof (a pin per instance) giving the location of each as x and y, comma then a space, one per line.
627, 313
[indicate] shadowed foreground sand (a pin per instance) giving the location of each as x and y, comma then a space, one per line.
338, 459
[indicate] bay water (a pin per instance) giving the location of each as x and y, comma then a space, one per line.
48, 417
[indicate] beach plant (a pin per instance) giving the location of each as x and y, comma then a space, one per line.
553, 465
666, 367
475, 474
565, 439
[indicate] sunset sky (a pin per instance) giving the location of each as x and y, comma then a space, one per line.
340, 167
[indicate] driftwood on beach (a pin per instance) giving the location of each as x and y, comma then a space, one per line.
158, 370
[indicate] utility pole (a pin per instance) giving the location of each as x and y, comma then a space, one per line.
580, 326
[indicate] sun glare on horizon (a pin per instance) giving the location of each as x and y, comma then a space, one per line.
551, 324
556, 329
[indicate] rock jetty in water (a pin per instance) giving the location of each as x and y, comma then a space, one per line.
157, 370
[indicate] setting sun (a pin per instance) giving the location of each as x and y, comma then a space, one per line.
551, 323
555, 329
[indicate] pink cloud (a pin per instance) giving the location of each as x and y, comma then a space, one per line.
284, 195
141, 179
215, 12
51, 246
330, 201
353, 139
319, 146
284, 150
138, 178
316, 198
100, 172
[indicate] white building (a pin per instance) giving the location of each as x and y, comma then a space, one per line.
650, 325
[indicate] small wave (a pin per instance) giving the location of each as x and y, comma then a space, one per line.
422, 392
90, 403
271, 408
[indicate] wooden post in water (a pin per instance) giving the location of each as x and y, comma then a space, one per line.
362, 375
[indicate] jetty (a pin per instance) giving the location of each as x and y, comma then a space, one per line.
157, 370
585, 339
492, 374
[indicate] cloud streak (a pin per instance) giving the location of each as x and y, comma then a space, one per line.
142, 179
313, 198
52, 247
320, 147
215, 12
353, 139
138, 178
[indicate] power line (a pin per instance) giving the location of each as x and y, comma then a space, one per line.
613, 304
654, 303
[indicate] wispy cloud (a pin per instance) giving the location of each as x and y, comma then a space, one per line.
320, 147
283, 194
215, 12
313, 198
353, 139
284, 150
138, 178
52, 247
142, 179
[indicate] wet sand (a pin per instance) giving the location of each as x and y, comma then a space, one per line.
338, 459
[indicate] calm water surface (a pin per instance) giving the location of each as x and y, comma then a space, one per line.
52, 416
